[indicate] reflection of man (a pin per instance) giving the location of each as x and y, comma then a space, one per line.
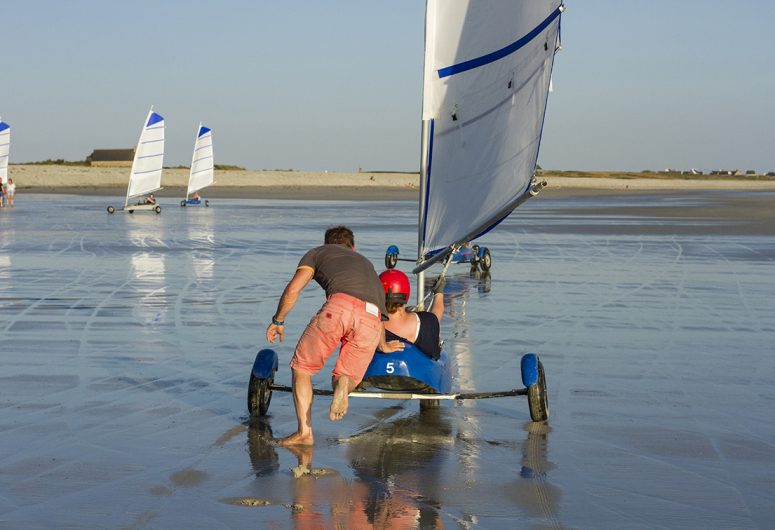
351, 317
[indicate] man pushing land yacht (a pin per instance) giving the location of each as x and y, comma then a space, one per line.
351, 318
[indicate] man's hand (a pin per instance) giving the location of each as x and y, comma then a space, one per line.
391, 346
273, 331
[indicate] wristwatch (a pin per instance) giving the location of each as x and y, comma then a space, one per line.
278, 322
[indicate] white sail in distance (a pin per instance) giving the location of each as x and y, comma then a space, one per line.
202, 163
5, 150
149, 158
486, 80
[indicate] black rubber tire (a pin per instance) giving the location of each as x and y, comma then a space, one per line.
111, 209
537, 397
391, 260
485, 262
207, 204
130, 211
259, 395
183, 204
157, 209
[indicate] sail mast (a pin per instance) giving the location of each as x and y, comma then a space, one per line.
424, 136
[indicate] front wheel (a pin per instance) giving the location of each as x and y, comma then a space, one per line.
537, 397
111, 209
259, 395
183, 204
485, 262
207, 204
157, 209
391, 260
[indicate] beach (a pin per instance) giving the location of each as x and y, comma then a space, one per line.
128, 342
365, 185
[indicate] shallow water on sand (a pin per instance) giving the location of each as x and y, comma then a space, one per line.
127, 342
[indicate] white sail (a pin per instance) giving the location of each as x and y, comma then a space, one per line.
487, 72
202, 169
149, 158
5, 150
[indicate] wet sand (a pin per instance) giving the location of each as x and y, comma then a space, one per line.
127, 343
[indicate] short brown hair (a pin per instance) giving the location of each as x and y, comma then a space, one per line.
339, 235
392, 307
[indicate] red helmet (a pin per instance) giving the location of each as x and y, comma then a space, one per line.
396, 286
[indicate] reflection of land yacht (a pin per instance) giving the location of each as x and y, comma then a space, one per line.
401, 464
148, 272
201, 237
532, 491
5, 272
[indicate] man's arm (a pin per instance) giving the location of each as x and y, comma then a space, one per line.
287, 301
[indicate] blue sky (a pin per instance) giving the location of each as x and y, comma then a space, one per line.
336, 85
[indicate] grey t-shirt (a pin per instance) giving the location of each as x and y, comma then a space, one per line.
339, 269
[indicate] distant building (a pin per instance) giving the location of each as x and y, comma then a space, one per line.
112, 157
750, 172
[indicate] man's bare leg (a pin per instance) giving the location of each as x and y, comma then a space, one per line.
302, 400
343, 385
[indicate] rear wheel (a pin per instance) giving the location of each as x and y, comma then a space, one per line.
537, 397
157, 209
207, 204
259, 395
183, 203
111, 209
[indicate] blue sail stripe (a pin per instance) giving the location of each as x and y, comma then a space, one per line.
149, 156
4, 126
154, 118
503, 52
204, 130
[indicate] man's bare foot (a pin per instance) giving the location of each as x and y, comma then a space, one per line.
297, 439
340, 401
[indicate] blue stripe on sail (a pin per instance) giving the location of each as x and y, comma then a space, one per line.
203, 130
428, 181
4, 126
503, 52
149, 156
155, 118
149, 171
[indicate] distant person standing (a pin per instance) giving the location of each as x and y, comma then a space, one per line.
11, 192
351, 319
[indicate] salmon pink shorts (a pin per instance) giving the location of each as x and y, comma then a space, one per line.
343, 321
